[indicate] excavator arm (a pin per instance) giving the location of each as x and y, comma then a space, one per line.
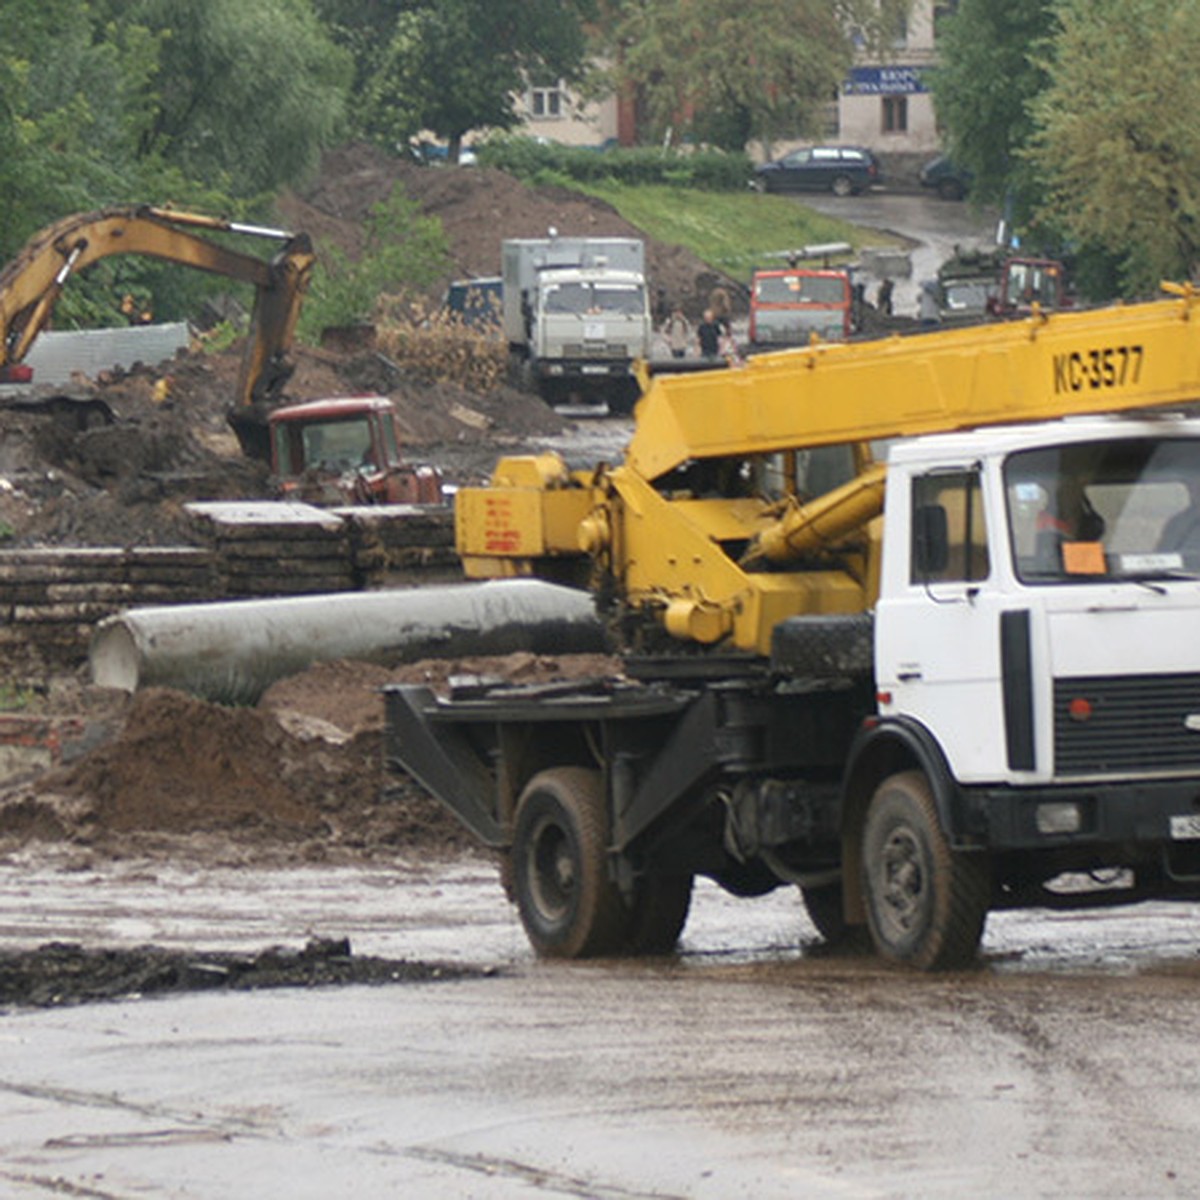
31, 284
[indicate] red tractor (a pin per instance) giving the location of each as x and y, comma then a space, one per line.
346, 451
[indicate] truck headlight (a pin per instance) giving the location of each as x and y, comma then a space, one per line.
1060, 816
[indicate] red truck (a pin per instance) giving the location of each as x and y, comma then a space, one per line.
789, 304
1025, 282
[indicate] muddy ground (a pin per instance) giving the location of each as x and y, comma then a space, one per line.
299, 778
71, 478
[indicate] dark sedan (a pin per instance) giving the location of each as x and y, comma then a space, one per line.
949, 181
842, 170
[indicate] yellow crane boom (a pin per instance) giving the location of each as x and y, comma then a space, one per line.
686, 531
1047, 366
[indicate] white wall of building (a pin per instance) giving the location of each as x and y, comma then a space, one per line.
886, 103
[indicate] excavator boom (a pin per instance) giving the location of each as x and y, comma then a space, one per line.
31, 284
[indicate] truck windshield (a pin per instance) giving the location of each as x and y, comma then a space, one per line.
800, 289
1033, 281
966, 295
1104, 510
340, 445
592, 298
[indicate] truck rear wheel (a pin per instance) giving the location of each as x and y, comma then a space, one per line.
569, 906
659, 913
824, 907
926, 904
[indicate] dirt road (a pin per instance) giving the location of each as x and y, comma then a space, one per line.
750, 1066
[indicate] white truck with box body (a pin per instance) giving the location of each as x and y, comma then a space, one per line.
577, 316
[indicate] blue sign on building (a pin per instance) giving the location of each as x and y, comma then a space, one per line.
885, 81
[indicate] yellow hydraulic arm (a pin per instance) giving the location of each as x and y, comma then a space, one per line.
31, 284
694, 558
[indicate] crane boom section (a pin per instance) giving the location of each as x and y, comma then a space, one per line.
1125, 357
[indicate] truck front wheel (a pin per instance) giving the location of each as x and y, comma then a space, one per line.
569, 906
926, 903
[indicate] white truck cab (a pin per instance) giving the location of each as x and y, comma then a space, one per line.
577, 316
1039, 613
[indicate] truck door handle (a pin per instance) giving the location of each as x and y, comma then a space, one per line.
909, 675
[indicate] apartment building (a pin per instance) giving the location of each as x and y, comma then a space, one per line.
886, 103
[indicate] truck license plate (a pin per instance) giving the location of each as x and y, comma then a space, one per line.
1185, 828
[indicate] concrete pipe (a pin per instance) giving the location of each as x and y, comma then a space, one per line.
232, 652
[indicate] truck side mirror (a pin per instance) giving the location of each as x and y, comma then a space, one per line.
930, 541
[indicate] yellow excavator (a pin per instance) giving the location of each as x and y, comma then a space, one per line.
31, 284
912, 625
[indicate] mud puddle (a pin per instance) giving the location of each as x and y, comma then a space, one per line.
76, 929
62, 974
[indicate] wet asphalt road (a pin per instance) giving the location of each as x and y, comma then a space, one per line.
933, 228
752, 1065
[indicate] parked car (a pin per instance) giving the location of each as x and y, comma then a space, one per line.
843, 170
435, 154
944, 177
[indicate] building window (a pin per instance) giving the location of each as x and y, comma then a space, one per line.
546, 101
941, 13
895, 114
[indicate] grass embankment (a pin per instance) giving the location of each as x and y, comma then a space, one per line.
731, 231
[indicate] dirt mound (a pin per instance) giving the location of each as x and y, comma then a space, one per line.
299, 778
124, 481
477, 206
193, 771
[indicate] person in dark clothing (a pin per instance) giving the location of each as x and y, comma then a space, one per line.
722, 310
708, 334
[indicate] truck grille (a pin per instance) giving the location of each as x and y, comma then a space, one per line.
595, 350
1148, 724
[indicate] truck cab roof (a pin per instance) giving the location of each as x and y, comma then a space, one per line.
1005, 439
342, 406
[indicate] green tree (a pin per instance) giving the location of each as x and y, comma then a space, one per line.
1116, 135
404, 252
453, 66
729, 74
989, 70
248, 91
69, 113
